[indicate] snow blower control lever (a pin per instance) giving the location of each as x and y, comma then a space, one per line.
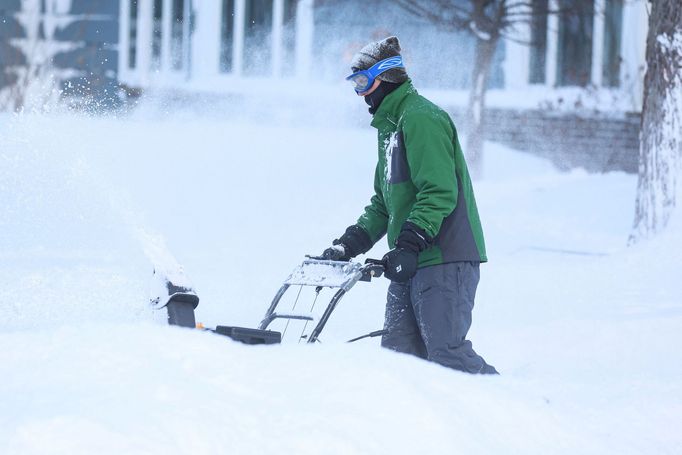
374, 268
313, 272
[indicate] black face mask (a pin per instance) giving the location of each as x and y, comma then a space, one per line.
375, 98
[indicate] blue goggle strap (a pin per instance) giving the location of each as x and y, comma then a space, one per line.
380, 67
385, 65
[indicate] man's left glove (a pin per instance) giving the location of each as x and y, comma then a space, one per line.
401, 262
353, 242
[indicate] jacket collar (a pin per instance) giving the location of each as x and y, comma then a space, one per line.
390, 108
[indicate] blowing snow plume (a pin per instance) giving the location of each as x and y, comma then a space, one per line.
72, 247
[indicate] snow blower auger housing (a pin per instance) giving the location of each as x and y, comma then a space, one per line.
173, 294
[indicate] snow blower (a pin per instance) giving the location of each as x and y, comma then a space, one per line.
173, 294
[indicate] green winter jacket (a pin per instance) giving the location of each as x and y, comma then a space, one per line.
421, 177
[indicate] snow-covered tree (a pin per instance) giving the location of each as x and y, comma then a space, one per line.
11, 57
36, 80
660, 155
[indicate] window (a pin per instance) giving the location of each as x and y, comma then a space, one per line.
613, 29
156, 34
177, 34
132, 35
538, 42
258, 38
289, 38
226, 36
574, 62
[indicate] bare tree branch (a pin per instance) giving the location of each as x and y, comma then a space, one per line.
451, 16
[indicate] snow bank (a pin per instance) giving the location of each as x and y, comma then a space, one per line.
584, 330
145, 389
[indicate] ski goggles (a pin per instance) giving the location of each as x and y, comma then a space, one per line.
363, 80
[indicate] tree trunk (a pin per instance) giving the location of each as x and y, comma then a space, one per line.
660, 156
485, 50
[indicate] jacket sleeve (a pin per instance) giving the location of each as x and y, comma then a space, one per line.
431, 158
375, 218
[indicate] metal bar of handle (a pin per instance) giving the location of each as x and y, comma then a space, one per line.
325, 316
371, 269
268, 319
273, 306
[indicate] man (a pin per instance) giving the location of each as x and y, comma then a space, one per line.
423, 199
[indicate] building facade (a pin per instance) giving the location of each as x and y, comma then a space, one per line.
560, 79
224, 44
565, 86
219, 44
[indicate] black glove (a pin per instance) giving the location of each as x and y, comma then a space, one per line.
401, 262
353, 242
335, 253
400, 265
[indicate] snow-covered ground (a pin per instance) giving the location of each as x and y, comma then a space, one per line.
585, 331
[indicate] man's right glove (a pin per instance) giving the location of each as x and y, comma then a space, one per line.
401, 262
353, 242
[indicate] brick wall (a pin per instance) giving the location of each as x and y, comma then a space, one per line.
597, 143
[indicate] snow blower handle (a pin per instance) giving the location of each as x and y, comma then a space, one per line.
373, 268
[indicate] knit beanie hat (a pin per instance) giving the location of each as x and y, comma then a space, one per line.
377, 51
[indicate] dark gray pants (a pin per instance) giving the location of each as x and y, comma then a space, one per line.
430, 315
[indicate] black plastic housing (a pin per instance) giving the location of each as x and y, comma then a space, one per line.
249, 336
